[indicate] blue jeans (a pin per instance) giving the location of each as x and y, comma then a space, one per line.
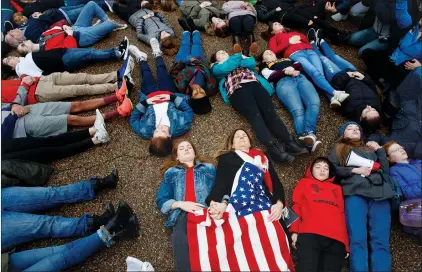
299, 96
367, 39
365, 215
332, 62
75, 58
82, 2
186, 51
56, 258
165, 81
89, 34
19, 226
313, 68
72, 12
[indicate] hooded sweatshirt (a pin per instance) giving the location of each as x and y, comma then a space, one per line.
320, 207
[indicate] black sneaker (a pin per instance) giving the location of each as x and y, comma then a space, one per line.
191, 24
124, 48
183, 24
319, 35
312, 37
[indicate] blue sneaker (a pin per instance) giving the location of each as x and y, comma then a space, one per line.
125, 69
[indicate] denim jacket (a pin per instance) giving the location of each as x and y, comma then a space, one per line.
173, 188
221, 70
142, 119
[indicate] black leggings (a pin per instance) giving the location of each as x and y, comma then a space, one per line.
45, 150
242, 25
253, 102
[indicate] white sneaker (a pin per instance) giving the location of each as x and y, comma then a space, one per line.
307, 139
339, 17
138, 54
99, 121
101, 133
334, 103
155, 45
340, 96
316, 146
102, 136
119, 26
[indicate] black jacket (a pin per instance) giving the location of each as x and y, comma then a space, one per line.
362, 93
24, 173
266, 9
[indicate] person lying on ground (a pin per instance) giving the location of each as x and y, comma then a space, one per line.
21, 203
296, 46
364, 103
319, 234
53, 118
406, 171
149, 25
61, 86
406, 125
204, 15
296, 93
161, 113
187, 181
44, 63
366, 198
191, 75
250, 95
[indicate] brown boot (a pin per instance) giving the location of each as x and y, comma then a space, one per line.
253, 46
237, 48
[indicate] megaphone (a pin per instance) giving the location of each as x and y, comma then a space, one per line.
355, 160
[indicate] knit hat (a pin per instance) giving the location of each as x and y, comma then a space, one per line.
344, 126
201, 105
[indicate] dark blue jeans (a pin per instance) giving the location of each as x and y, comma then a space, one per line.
299, 96
58, 258
89, 34
165, 81
367, 39
72, 12
366, 216
75, 58
19, 226
332, 62
187, 51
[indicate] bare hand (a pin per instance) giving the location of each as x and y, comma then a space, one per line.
28, 80
289, 70
189, 206
296, 73
358, 75
363, 170
162, 97
19, 110
205, 4
411, 65
217, 209
68, 30
294, 240
294, 39
276, 211
278, 9
331, 7
373, 145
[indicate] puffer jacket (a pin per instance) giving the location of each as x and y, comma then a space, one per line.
409, 176
151, 27
200, 16
362, 93
24, 173
266, 9
373, 186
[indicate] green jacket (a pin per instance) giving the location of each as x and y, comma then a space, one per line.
200, 16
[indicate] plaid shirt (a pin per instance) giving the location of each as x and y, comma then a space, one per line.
235, 78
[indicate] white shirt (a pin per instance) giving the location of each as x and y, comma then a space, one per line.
161, 117
27, 66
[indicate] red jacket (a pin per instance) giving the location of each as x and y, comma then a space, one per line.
61, 40
279, 43
320, 207
9, 88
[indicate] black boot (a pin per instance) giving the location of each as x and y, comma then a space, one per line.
184, 24
294, 148
109, 182
101, 220
125, 223
191, 24
277, 153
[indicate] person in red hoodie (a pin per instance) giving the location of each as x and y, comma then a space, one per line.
320, 234
296, 46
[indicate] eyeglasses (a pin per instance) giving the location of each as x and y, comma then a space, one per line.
396, 149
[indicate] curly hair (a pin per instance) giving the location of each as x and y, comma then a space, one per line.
170, 45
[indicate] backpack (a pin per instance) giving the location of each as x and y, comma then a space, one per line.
411, 216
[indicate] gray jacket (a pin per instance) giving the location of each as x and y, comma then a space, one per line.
151, 27
235, 8
373, 186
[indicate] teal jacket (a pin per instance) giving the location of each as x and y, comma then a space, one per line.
221, 70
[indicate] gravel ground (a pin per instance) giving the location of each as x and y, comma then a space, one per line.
139, 172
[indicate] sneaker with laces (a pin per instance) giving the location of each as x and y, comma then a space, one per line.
102, 136
339, 17
316, 146
129, 84
334, 103
109, 4
138, 54
99, 121
340, 96
119, 26
125, 109
122, 91
155, 45
319, 35
312, 35
307, 138
125, 69
124, 48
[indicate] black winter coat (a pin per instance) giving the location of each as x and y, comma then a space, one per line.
24, 173
266, 9
362, 93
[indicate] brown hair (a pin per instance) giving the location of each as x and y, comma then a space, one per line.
169, 45
168, 5
160, 146
266, 35
386, 147
19, 18
344, 146
371, 125
222, 32
172, 162
228, 145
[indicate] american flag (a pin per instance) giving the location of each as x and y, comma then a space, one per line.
244, 239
